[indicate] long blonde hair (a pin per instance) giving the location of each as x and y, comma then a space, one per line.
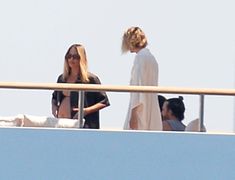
133, 38
83, 65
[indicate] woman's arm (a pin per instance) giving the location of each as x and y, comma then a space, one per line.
94, 108
135, 117
54, 108
90, 109
55, 99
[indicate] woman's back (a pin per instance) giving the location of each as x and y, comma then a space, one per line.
176, 125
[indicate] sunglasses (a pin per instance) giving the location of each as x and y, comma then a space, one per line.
72, 56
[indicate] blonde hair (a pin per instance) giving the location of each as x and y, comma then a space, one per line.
133, 38
83, 73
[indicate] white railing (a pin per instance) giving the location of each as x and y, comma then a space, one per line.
116, 88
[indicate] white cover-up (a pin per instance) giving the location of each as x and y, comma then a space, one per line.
145, 73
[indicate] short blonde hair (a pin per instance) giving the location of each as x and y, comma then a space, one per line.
133, 38
84, 75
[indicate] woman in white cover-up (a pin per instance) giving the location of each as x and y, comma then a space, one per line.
143, 112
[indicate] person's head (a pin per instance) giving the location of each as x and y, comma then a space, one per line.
133, 40
173, 108
75, 57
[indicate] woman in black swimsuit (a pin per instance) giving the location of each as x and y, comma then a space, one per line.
65, 103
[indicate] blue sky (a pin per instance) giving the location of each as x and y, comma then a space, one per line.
193, 41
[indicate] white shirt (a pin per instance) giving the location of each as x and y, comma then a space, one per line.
145, 73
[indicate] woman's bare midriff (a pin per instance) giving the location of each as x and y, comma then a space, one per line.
65, 108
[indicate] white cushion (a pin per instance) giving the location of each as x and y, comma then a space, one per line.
194, 126
44, 121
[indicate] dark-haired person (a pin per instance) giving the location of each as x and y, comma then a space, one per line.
65, 103
173, 114
143, 112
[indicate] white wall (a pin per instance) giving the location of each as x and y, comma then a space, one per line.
85, 154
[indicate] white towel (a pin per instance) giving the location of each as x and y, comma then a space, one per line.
38, 121
11, 121
44, 121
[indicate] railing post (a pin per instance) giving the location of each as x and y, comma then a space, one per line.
201, 112
81, 106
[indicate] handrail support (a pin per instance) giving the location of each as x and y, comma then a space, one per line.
201, 112
80, 109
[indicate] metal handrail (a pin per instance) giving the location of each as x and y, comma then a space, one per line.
117, 88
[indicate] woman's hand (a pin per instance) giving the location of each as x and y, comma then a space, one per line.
133, 124
84, 111
135, 117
